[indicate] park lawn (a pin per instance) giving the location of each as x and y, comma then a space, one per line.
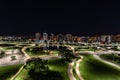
6, 72
55, 52
93, 69
58, 66
12, 48
90, 49
54, 65
23, 75
40, 53
112, 58
33, 54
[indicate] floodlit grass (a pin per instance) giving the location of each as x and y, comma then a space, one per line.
114, 58
55, 52
13, 48
93, 69
10, 48
39, 52
85, 49
33, 54
57, 65
54, 65
6, 72
23, 75
7, 45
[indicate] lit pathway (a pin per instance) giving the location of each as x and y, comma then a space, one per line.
77, 68
44, 57
70, 71
27, 57
13, 78
107, 62
23, 51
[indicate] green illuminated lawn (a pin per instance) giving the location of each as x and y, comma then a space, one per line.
6, 72
39, 53
114, 58
23, 75
93, 69
57, 65
54, 65
55, 52
33, 54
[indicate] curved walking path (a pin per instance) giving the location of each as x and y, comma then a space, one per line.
107, 62
27, 57
70, 71
17, 72
77, 68
23, 51
45, 57
70, 65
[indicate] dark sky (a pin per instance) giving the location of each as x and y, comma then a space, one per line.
80, 18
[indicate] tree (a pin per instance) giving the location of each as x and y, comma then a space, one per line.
2, 54
13, 58
37, 65
67, 55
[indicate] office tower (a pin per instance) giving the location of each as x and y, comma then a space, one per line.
109, 39
60, 38
45, 37
37, 37
68, 37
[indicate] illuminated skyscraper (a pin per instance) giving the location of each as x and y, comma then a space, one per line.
60, 38
45, 37
109, 39
69, 37
103, 38
51, 37
37, 37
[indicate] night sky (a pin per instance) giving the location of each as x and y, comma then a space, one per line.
84, 18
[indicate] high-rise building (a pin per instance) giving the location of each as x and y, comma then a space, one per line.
51, 37
109, 39
103, 38
68, 37
37, 37
60, 38
45, 37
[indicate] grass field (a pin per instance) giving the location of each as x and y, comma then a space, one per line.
114, 58
57, 65
33, 54
23, 75
39, 53
93, 69
6, 72
54, 65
